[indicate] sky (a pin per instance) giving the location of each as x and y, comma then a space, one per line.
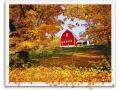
76, 29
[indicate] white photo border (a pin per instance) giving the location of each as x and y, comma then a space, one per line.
113, 39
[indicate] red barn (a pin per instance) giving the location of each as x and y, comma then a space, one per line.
68, 39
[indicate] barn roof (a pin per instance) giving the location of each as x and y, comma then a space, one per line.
76, 31
72, 33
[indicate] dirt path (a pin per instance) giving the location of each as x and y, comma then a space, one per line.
77, 59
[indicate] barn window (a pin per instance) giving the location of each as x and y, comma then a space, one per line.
66, 34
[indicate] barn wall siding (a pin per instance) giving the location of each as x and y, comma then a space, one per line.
68, 39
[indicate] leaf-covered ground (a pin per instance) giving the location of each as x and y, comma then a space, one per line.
57, 74
82, 67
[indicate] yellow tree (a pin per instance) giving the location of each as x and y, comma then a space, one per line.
29, 24
99, 19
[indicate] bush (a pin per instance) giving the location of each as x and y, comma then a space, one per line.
39, 54
19, 58
104, 67
57, 50
13, 59
92, 66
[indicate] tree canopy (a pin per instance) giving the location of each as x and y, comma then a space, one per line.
30, 23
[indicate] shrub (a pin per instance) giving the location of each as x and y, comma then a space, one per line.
92, 66
39, 54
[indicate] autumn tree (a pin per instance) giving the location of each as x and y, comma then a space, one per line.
33, 19
99, 23
98, 17
29, 25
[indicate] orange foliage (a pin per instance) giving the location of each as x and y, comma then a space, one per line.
99, 15
32, 22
